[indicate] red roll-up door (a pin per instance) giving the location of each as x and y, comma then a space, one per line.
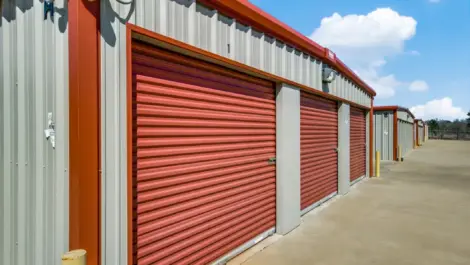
357, 143
203, 139
318, 143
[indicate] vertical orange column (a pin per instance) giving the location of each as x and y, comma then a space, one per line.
84, 100
371, 138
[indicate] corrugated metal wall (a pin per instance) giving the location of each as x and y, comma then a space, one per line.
405, 116
344, 88
405, 136
426, 132
383, 134
34, 177
195, 24
421, 134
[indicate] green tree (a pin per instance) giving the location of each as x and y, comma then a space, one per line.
433, 125
468, 119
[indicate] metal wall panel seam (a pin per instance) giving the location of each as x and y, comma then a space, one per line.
213, 36
261, 52
232, 41
7, 127
2, 151
141, 9
14, 138
191, 22
114, 166
50, 184
41, 144
122, 9
61, 151
249, 40
21, 86
273, 60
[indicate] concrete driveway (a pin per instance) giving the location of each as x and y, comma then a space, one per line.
417, 212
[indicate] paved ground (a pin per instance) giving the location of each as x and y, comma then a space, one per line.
418, 212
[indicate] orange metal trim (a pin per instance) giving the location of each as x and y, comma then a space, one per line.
371, 139
385, 108
84, 131
201, 52
250, 14
395, 135
130, 156
392, 108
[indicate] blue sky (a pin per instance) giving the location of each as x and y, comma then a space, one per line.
415, 53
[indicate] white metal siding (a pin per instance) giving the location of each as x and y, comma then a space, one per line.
405, 136
269, 54
242, 36
256, 48
405, 116
34, 177
198, 25
383, 125
190, 22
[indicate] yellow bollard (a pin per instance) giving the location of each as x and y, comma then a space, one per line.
377, 164
74, 257
399, 153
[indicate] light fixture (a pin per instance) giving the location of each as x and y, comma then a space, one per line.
328, 74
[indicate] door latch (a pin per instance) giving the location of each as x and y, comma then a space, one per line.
272, 160
337, 149
50, 131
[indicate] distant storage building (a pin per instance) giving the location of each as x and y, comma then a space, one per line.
168, 132
420, 131
393, 132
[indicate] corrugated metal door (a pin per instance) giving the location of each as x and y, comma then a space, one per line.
383, 138
204, 136
357, 144
318, 141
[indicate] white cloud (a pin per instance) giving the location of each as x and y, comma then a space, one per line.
365, 41
439, 108
418, 86
415, 53
384, 85
383, 27
434, 1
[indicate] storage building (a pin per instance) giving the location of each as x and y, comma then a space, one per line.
420, 131
167, 132
426, 132
393, 132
